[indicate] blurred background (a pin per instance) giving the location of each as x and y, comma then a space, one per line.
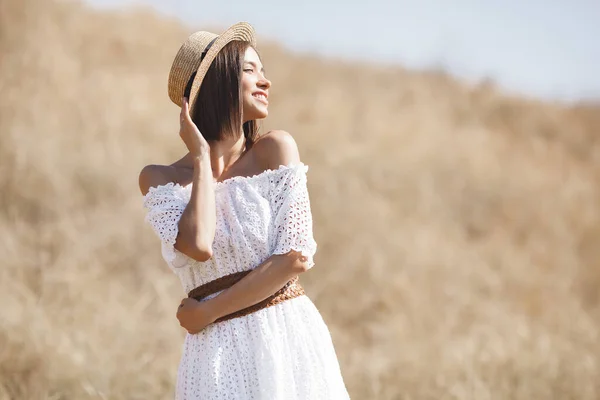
454, 157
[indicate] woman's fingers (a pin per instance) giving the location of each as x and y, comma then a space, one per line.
188, 131
185, 110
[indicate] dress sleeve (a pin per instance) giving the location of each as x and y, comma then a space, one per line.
292, 217
165, 207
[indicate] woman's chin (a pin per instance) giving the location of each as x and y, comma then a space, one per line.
256, 114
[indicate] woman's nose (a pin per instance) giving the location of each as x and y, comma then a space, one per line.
264, 83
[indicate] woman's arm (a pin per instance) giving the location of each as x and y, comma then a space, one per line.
193, 232
198, 222
186, 226
262, 282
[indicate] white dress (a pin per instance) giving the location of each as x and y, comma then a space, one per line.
283, 352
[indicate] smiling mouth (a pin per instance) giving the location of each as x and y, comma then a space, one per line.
261, 97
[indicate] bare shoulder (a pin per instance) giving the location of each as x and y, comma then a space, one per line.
154, 175
276, 148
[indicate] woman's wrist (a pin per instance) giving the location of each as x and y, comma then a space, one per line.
210, 310
199, 156
201, 162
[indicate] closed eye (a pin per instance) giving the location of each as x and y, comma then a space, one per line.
252, 67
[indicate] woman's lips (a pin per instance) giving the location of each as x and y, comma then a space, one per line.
261, 97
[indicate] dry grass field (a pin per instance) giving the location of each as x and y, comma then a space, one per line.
458, 226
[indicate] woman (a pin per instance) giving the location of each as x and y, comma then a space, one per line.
234, 219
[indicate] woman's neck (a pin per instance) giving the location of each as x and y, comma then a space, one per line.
224, 153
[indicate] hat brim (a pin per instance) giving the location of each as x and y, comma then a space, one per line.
241, 31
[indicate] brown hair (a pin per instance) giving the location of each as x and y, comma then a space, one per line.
218, 109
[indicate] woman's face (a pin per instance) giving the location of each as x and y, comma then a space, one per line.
255, 87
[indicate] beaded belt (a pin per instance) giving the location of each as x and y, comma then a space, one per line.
291, 290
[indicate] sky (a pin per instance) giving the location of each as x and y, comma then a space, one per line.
546, 49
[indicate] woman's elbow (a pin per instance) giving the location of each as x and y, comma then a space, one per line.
301, 268
299, 263
202, 254
196, 251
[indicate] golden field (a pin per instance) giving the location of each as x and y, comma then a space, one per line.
458, 226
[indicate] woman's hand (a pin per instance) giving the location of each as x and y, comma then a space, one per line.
189, 133
194, 315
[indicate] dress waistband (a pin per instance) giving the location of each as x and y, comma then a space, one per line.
291, 290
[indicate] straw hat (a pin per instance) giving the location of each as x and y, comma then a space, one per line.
197, 54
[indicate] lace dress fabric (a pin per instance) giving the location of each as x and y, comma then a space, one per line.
281, 352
